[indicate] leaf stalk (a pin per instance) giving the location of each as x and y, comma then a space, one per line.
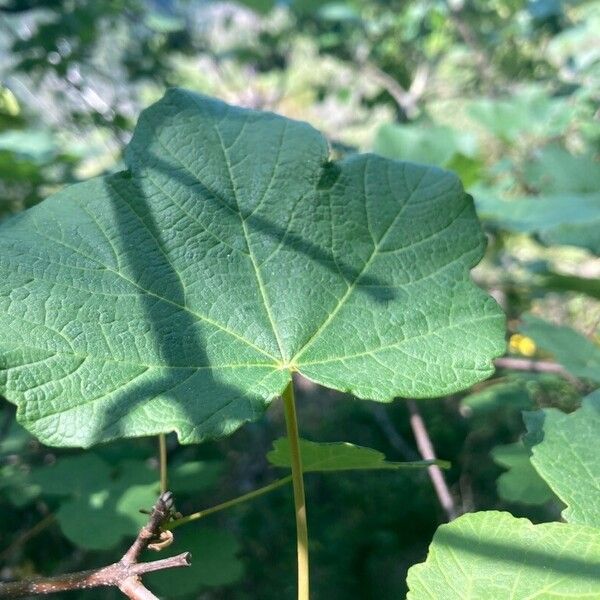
291, 422
162, 459
229, 503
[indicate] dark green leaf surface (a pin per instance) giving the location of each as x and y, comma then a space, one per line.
214, 562
337, 456
181, 294
584, 285
494, 556
521, 483
509, 393
566, 454
194, 476
100, 507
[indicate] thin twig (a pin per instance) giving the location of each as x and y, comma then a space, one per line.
395, 440
428, 453
407, 100
124, 574
536, 366
29, 534
471, 40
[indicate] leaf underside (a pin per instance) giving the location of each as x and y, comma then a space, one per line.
493, 555
565, 452
181, 294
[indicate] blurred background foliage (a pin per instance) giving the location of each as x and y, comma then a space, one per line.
504, 92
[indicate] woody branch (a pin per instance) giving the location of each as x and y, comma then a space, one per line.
124, 574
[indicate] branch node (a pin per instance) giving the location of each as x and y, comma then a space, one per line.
124, 574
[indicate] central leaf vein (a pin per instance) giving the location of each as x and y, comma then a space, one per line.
259, 279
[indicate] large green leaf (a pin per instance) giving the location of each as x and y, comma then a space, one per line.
492, 555
579, 355
338, 456
181, 294
566, 454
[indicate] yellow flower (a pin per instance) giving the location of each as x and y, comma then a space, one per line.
522, 344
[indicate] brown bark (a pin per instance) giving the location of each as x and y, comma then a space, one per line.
124, 574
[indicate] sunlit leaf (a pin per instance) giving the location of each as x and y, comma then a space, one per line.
180, 295
566, 453
494, 556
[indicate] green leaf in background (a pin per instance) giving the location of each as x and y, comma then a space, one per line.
495, 556
102, 504
427, 144
530, 112
554, 170
431, 144
14, 440
579, 355
566, 454
194, 476
260, 6
231, 254
38, 146
561, 282
568, 219
521, 483
214, 562
100, 507
15, 483
163, 23
512, 394
337, 456
575, 47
